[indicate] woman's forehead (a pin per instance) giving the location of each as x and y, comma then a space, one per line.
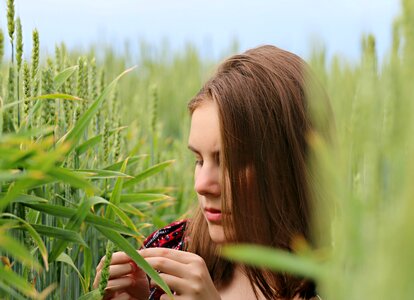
205, 128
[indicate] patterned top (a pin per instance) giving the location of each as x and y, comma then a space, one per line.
171, 236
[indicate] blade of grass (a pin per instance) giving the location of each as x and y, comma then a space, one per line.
9, 291
66, 212
100, 174
63, 76
75, 134
35, 236
64, 258
42, 97
121, 215
143, 197
132, 161
123, 244
87, 263
24, 198
274, 259
73, 224
116, 193
15, 281
72, 178
89, 144
18, 251
59, 233
147, 173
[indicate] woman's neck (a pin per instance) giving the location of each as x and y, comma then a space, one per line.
239, 287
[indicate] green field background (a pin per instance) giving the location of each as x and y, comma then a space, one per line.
93, 159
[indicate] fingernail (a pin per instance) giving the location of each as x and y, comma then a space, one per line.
134, 266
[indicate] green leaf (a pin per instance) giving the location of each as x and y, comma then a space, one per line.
18, 251
85, 146
116, 193
274, 259
59, 233
123, 244
10, 223
11, 175
10, 292
148, 172
23, 198
122, 215
66, 212
19, 283
72, 178
33, 233
143, 197
87, 265
26, 133
100, 174
75, 134
73, 224
132, 210
93, 295
60, 78
41, 165
64, 258
42, 97
132, 161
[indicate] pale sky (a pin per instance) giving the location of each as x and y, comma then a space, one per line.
211, 25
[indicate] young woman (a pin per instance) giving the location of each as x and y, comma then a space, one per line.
249, 129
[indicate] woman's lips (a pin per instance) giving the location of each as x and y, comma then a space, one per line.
212, 215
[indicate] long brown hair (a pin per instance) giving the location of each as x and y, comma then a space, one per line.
264, 119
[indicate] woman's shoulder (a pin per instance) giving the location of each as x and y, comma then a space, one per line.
170, 236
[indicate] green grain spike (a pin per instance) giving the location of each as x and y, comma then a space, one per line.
11, 25
114, 105
106, 141
1, 45
105, 269
35, 62
154, 92
19, 56
117, 141
26, 88
47, 88
93, 94
19, 44
9, 117
35, 53
80, 88
59, 60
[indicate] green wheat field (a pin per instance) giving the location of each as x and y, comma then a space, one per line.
93, 157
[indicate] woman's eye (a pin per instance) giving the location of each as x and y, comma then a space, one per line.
198, 162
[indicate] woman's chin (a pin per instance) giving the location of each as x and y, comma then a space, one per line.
216, 233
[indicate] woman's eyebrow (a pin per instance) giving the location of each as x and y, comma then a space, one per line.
214, 153
193, 149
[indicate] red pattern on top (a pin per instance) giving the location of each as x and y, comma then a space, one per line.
171, 236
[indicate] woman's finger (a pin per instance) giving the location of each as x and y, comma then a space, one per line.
117, 258
177, 255
122, 296
116, 271
119, 284
121, 270
168, 266
177, 284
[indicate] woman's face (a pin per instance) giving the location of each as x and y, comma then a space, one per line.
205, 142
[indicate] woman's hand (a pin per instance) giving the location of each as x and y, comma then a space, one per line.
184, 272
126, 280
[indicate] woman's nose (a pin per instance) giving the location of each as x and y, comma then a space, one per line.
206, 181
